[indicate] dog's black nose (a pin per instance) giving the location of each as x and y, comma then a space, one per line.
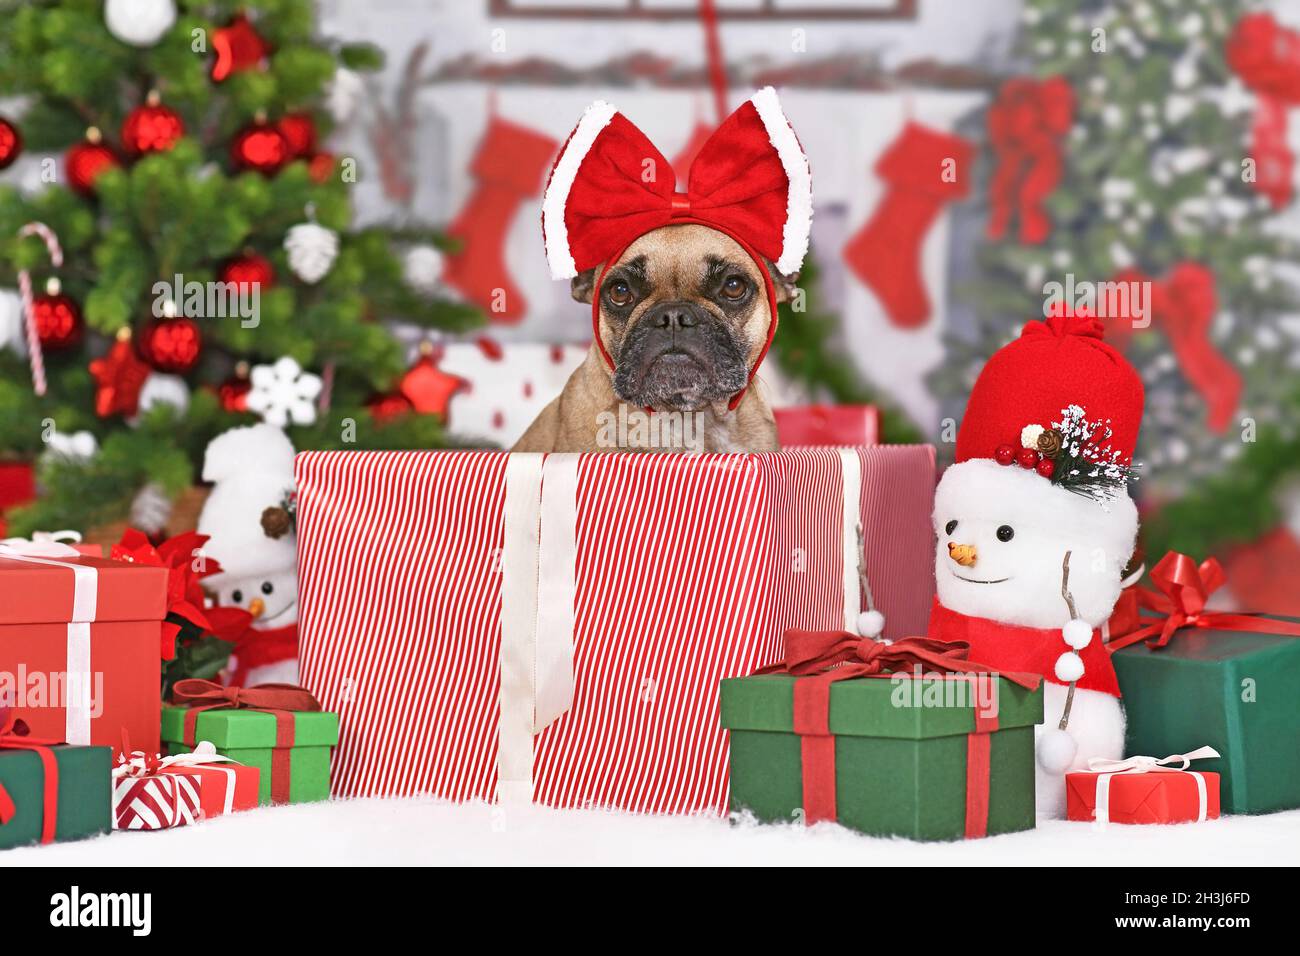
672, 316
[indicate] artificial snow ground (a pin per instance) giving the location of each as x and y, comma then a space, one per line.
426, 831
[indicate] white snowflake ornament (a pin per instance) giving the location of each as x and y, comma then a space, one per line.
140, 23
312, 250
283, 393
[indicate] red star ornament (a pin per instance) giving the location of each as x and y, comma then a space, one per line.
428, 388
119, 376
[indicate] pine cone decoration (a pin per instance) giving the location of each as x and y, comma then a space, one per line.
276, 522
1049, 443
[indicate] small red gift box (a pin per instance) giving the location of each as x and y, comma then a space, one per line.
1144, 790
224, 786
824, 425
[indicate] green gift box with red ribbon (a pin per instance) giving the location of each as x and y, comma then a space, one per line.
1192, 676
278, 728
905, 739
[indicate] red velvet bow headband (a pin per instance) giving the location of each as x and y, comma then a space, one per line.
610, 186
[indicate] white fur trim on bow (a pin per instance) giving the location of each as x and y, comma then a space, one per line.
558, 255
799, 201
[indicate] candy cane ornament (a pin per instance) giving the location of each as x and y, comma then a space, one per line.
34, 353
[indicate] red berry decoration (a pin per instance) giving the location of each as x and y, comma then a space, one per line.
11, 142
58, 319
152, 128
321, 168
233, 392
249, 270
1005, 454
260, 147
238, 47
172, 345
85, 161
1046, 467
299, 131
1027, 458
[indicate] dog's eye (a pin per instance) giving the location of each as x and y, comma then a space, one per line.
734, 287
620, 293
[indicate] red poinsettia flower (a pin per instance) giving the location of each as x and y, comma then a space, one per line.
187, 565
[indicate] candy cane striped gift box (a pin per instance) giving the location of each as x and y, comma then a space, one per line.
555, 627
155, 802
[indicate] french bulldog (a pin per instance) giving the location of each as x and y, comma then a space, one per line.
684, 316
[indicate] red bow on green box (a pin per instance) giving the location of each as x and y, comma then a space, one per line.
15, 736
820, 658
1183, 590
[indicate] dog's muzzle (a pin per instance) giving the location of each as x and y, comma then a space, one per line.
679, 356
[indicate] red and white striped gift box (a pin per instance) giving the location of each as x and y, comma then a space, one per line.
155, 802
555, 627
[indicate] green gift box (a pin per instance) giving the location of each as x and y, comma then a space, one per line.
296, 774
904, 749
85, 800
1236, 691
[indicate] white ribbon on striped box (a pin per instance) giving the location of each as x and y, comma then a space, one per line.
47, 548
1106, 768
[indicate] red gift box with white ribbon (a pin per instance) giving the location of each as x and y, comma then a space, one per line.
1144, 790
555, 627
145, 798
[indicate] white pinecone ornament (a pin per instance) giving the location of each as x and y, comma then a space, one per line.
312, 250
422, 269
283, 393
139, 23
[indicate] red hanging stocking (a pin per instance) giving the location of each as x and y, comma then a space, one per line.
924, 169
510, 167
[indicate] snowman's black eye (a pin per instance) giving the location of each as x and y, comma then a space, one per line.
1006, 532
950, 527
237, 597
267, 587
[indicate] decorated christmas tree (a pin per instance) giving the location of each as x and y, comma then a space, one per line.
1131, 173
188, 258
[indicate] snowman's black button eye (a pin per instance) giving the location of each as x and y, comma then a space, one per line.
950, 527
1006, 532
267, 587
237, 597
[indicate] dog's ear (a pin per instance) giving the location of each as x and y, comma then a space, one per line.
786, 285
583, 285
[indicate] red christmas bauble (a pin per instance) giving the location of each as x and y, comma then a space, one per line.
172, 345
58, 320
11, 142
1027, 458
233, 392
387, 406
247, 270
321, 167
1005, 454
152, 128
299, 131
1046, 467
86, 160
260, 147
238, 46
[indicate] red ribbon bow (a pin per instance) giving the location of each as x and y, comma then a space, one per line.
1266, 57
282, 701
184, 593
14, 735
1025, 126
820, 658
1184, 589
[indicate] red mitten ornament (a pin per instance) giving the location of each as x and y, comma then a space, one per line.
924, 169
509, 167
238, 47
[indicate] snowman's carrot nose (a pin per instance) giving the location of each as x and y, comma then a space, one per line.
963, 554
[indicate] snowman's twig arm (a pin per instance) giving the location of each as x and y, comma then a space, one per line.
1069, 602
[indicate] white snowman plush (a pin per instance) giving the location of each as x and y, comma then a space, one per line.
1044, 457
250, 535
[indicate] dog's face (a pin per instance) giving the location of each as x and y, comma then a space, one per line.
683, 315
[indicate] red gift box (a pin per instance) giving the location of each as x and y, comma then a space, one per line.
80, 644
225, 786
556, 627
824, 425
1144, 790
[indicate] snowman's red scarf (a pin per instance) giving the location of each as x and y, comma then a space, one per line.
253, 648
1008, 647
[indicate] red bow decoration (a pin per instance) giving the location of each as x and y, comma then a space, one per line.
1266, 57
1025, 126
820, 658
1185, 304
1183, 590
15, 735
184, 593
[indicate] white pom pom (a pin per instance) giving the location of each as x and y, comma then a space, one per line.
1077, 633
1069, 667
1056, 750
422, 268
871, 624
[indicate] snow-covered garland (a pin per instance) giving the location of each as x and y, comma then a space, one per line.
1073, 453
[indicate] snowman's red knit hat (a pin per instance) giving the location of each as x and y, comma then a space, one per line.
1027, 386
